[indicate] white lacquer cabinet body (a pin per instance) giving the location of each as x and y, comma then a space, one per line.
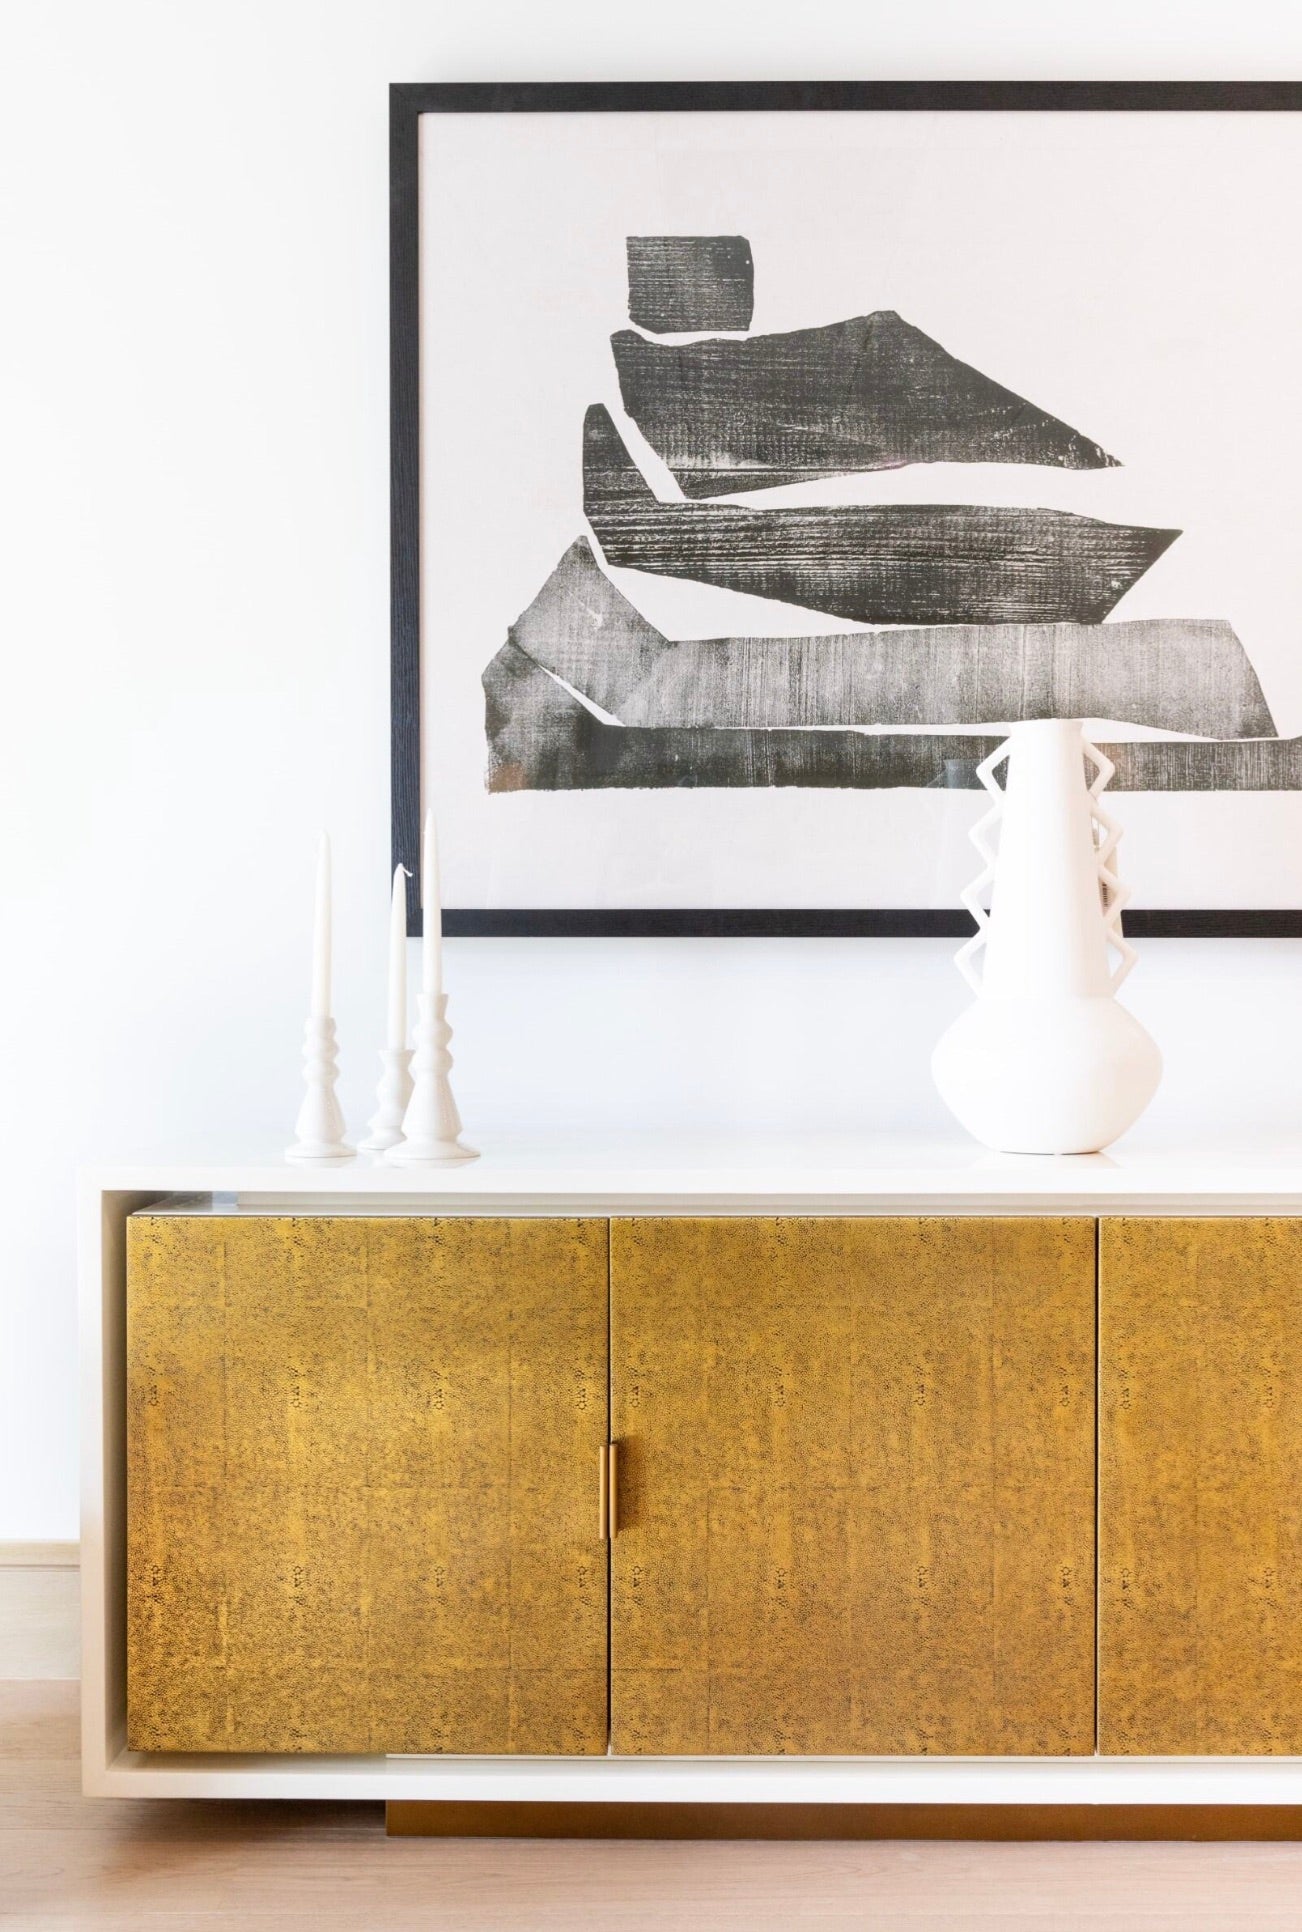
722, 1179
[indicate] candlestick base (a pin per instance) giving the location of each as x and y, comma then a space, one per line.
430, 1153
431, 1126
320, 1123
317, 1153
393, 1093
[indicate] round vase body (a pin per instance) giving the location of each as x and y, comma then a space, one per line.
1062, 1075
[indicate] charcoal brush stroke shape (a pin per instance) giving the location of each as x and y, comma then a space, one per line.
919, 563
1174, 674
541, 738
680, 284
1245, 765
872, 393
585, 631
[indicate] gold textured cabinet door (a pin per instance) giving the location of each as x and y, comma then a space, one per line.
856, 1485
1200, 1519
362, 1462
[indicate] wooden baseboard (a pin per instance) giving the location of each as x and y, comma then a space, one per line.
39, 1556
40, 1611
457, 1818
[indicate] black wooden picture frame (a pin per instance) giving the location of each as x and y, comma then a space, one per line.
408, 102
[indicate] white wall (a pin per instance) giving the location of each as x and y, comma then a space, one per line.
193, 616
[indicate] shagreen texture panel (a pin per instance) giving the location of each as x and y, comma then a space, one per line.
361, 1490
856, 1485
1201, 1487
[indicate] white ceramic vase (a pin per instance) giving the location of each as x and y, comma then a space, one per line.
1045, 1061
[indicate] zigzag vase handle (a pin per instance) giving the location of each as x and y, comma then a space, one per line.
965, 957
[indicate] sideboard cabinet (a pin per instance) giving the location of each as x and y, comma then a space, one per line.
472, 1497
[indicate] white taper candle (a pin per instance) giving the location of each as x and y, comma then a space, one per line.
432, 910
321, 934
397, 1035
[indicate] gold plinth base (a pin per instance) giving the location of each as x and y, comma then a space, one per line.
458, 1818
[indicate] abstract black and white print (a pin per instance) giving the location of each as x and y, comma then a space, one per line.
793, 554
1014, 601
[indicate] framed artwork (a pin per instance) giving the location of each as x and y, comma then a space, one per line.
761, 453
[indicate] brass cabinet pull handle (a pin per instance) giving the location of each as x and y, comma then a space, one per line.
607, 1506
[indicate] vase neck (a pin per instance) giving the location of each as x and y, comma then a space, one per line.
1047, 936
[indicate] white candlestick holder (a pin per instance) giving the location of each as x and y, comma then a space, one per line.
431, 1126
320, 1123
393, 1093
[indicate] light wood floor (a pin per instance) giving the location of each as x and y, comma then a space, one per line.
90, 1863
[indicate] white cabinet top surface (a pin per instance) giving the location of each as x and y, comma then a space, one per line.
566, 1172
